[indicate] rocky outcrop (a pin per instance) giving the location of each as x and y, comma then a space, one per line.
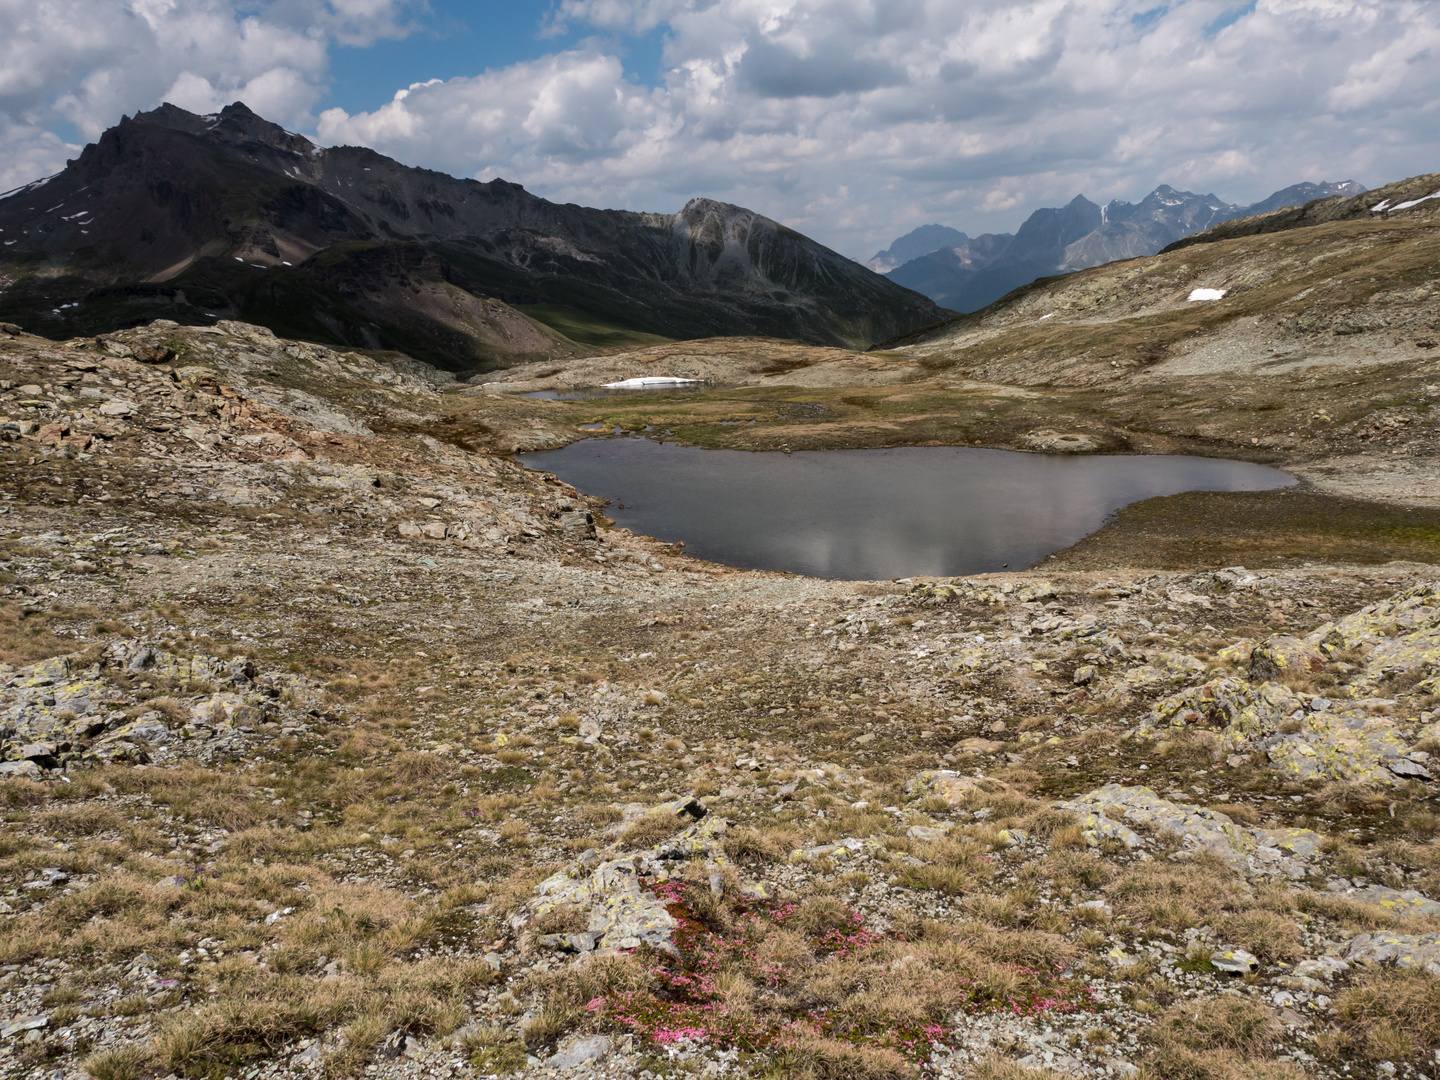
1285, 853
78, 710
611, 887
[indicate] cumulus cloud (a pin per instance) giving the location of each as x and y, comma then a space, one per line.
923, 110
86, 62
852, 120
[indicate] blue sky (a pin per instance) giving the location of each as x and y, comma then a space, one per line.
457, 38
853, 121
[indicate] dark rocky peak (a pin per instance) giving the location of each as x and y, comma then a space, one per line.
235, 127
1050, 230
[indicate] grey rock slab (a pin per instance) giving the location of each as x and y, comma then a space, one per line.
23, 1023
575, 1052
1403, 950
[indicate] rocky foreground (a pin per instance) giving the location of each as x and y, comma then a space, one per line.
336, 745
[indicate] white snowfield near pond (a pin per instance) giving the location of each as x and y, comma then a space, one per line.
1208, 294
648, 380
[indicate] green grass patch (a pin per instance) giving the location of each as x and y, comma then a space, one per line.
586, 329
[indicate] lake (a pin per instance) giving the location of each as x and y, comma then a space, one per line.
873, 514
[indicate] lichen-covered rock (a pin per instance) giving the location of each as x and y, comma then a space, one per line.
1164, 669
1282, 656
991, 593
1243, 710
83, 712
1252, 852
954, 788
1406, 903
1400, 635
1234, 961
610, 885
1342, 746
1402, 950
1303, 736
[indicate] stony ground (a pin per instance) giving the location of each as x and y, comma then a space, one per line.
337, 744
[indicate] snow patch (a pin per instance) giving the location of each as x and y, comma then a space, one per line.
1207, 294
647, 381
1415, 202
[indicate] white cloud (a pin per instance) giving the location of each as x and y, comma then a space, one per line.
971, 114
29, 152
853, 120
89, 61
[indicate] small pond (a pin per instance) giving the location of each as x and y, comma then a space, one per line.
872, 514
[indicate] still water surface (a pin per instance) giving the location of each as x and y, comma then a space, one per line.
871, 514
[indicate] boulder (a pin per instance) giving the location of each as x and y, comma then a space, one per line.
607, 884
151, 352
1234, 961
578, 524
1282, 656
1046, 441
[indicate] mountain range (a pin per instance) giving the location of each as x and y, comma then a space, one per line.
195, 218
966, 273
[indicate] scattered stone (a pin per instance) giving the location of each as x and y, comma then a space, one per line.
952, 787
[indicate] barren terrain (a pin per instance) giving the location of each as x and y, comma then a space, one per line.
339, 744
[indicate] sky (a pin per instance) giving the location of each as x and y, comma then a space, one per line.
852, 121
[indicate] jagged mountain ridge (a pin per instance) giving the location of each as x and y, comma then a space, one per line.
968, 276
187, 216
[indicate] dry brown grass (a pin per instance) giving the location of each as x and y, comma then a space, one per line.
596, 814
1387, 1016
1270, 936
811, 1057
1221, 1038
996, 1067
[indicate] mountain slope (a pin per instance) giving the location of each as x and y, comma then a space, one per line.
1416, 197
1330, 285
967, 277
194, 217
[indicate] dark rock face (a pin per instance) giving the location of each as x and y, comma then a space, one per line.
975, 273
197, 217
